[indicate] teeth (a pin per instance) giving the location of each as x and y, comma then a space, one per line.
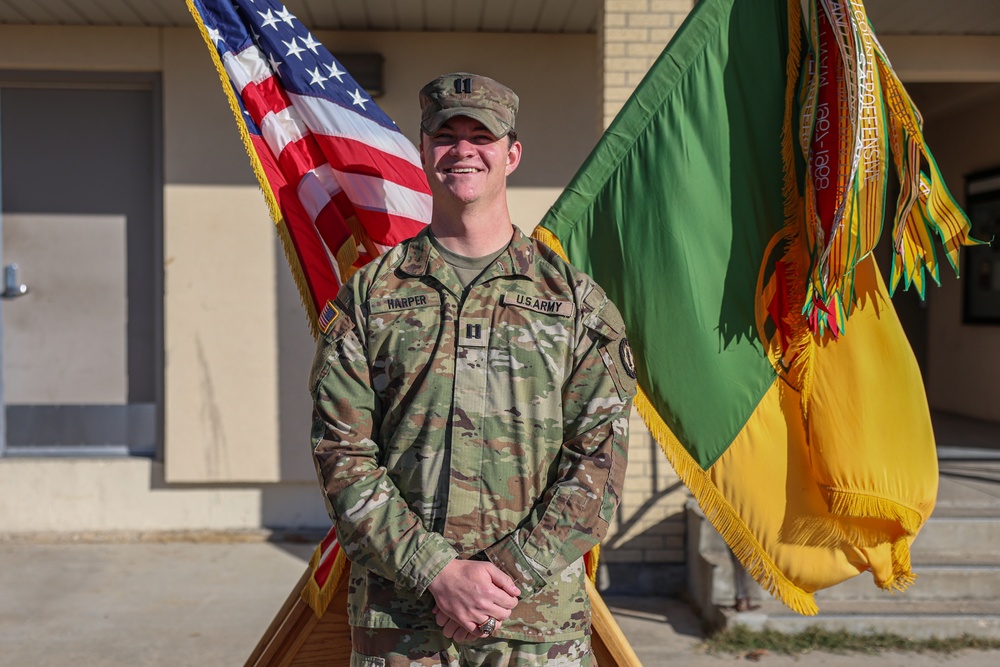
462, 171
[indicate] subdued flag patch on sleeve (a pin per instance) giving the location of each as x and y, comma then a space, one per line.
328, 316
628, 361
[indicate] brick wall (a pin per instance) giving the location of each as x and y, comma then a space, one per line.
630, 35
650, 524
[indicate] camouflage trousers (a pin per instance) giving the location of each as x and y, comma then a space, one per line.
408, 648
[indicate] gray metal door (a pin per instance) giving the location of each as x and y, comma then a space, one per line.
80, 363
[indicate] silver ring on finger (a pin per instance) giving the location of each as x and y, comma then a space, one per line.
488, 626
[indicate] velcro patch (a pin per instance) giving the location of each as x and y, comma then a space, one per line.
328, 316
474, 332
539, 305
405, 301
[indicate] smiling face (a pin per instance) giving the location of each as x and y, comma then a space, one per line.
466, 164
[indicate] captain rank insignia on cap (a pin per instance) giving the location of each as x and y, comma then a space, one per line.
328, 316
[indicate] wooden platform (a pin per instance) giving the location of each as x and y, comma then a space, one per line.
298, 638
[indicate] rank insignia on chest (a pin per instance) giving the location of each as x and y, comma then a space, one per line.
328, 316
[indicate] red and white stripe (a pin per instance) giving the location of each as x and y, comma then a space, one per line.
338, 162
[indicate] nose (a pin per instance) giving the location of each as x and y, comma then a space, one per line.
462, 147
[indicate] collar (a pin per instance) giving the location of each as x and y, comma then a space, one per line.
422, 258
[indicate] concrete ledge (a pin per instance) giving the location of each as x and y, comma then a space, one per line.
79, 495
912, 620
254, 536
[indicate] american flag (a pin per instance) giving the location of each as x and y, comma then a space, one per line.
342, 182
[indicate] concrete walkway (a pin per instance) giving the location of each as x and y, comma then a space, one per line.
169, 604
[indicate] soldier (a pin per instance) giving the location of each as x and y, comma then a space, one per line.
471, 400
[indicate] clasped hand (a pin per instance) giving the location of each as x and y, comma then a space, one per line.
468, 592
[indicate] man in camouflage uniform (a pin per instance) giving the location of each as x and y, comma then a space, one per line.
472, 393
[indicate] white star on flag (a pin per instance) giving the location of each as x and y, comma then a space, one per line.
269, 19
293, 48
335, 73
274, 63
285, 15
310, 43
215, 35
317, 78
357, 99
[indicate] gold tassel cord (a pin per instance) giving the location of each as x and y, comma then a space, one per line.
362, 237
796, 354
593, 558
347, 255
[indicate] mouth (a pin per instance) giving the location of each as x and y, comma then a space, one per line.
461, 170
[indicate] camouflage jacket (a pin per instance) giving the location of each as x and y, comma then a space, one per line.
487, 423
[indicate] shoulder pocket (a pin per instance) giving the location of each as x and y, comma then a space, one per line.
334, 323
602, 315
616, 352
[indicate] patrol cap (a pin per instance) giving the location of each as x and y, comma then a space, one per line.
463, 94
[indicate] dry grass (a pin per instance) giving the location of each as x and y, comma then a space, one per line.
739, 639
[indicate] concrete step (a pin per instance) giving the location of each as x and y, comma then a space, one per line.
943, 537
921, 620
934, 583
965, 540
956, 560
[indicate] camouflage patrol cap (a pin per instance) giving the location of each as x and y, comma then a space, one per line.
462, 94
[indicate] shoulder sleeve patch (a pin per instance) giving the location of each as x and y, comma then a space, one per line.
328, 316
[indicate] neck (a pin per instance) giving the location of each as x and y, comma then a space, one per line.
471, 231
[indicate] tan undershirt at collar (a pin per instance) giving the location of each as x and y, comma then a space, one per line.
466, 268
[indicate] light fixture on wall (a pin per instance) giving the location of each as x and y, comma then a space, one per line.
366, 68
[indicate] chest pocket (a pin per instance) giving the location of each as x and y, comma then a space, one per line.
402, 332
534, 335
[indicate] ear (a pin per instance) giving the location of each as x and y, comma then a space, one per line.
513, 157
